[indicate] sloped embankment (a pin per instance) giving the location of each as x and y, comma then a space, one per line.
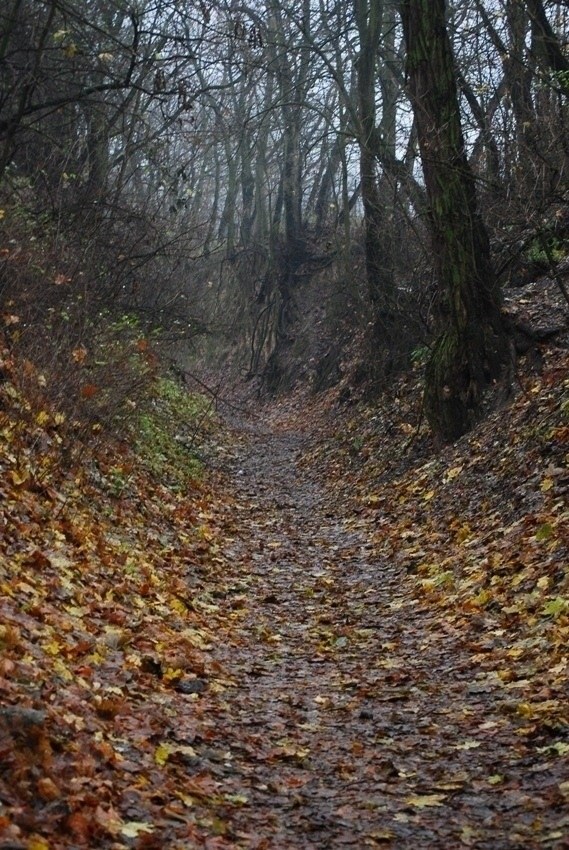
345, 639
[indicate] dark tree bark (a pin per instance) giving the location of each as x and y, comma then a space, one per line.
369, 16
472, 348
552, 49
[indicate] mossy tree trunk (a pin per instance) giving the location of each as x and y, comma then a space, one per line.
472, 349
369, 16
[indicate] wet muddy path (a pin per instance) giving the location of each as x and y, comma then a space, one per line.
354, 717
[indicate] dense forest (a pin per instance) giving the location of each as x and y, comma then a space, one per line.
284, 424
259, 185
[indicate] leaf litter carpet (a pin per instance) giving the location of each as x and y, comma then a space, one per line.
360, 717
287, 661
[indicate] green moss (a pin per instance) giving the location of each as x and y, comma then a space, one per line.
449, 401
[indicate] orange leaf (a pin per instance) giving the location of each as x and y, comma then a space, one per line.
78, 824
89, 390
48, 790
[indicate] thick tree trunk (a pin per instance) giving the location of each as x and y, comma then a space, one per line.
472, 349
552, 50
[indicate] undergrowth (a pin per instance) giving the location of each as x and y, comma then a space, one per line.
79, 368
166, 433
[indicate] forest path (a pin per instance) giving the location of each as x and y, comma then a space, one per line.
355, 717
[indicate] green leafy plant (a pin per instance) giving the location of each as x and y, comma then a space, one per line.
166, 433
546, 249
420, 355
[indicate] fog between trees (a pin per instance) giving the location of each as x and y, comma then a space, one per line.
263, 184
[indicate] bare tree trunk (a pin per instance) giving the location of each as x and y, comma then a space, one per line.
369, 18
551, 45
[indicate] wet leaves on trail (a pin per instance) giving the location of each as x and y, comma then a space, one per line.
317, 650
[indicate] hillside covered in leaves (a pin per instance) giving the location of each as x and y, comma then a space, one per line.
325, 632
284, 422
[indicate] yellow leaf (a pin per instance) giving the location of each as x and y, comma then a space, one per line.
453, 473
196, 637
505, 676
516, 652
164, 750
467, 745
463, 533
482, 599
495, 779
237, 799
178, 606
36, 842
61, 670
373, 501
467, 834
162, 753
171, 675
556, 607
426, 800
133, 828
544, 532
381, 835
52, 647
42, 418
546, 485
19, 476
543, 582
203, 532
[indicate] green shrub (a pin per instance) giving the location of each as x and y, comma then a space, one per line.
166, 433
547, 249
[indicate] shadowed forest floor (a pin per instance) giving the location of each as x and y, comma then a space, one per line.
346, 640
362, 717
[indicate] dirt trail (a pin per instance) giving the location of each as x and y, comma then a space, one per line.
356, 718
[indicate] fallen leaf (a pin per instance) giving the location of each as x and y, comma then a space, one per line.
426, 801
133, 828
